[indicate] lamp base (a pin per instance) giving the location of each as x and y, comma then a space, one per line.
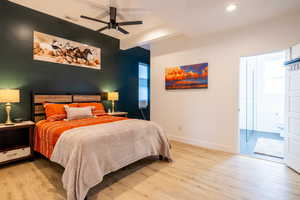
9, 123
8, 109
113, 106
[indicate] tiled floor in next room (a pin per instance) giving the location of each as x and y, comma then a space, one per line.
247, 148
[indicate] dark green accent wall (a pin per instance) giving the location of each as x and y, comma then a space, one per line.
19, 70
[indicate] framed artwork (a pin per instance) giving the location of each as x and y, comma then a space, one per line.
50, 48
187, 77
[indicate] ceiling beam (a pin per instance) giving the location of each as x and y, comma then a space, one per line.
147, 37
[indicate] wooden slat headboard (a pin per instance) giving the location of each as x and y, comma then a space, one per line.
52, 98
86, 98
38, 112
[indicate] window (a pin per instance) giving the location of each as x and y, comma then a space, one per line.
143, 85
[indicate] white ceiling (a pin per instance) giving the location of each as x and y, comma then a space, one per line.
188, 17
200, 17
71, 10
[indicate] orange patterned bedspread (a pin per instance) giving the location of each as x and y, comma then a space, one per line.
47, 133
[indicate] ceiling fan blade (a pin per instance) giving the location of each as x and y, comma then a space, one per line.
122, 30
102, 29
93, 19
130, 23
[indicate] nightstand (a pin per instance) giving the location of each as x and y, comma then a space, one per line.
16, 141
119, 114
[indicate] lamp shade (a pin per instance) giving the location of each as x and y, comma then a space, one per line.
9, 96
113, 96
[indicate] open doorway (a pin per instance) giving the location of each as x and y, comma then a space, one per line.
262, 102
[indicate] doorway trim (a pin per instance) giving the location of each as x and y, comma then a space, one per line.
238, 138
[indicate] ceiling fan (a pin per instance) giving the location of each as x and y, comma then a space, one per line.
113, 24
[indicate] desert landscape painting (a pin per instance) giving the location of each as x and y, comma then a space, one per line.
58, 50
187, 77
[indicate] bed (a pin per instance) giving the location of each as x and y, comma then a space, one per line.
90, 148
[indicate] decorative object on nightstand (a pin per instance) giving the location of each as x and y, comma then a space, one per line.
16, 141
113, 96
18, 120
119, 114
9, 96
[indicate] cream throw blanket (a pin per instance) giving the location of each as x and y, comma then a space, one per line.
88, 153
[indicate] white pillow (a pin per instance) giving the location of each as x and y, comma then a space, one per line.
78, 113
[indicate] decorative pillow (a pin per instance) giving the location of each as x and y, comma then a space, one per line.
78, 113
98, 109
56, 112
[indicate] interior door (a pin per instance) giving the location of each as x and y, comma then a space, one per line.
292, 147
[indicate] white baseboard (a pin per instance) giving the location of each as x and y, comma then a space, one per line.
203, 144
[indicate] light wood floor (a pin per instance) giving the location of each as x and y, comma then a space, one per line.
194, 175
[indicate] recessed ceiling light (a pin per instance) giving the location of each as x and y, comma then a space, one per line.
231, 7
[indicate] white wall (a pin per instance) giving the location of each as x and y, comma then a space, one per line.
209, 117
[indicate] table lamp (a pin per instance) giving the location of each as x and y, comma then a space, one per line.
113, 96
9, 96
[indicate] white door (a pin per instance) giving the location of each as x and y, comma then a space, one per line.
292, 145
